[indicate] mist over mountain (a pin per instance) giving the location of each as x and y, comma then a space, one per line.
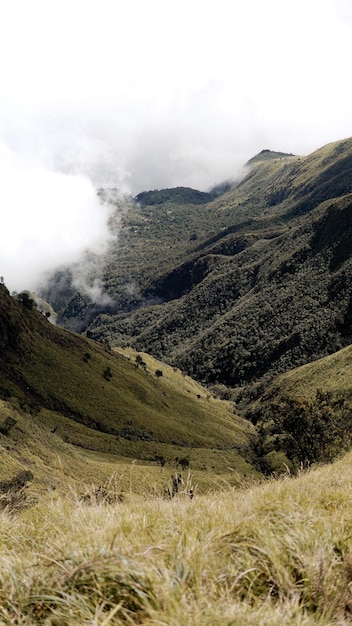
49, 219
245, 288
106, 96
230, 289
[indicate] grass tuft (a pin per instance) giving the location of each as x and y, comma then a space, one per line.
278, 553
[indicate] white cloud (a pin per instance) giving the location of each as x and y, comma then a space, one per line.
47, 218
140, 95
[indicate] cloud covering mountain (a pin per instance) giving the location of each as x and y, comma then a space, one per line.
140, 95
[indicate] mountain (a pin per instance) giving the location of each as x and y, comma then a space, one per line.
250, 290
235, 290
66, 401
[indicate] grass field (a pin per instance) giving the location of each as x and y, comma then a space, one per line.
275, 553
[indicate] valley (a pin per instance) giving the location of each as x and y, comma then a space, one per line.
178, 450
211, 301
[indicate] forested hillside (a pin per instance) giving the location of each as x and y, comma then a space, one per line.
250, 283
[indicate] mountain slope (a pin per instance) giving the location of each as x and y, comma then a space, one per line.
253, 283
304, 416
84, 395
266, 294
151, 241
330, 373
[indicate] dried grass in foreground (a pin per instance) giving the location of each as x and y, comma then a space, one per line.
279, 553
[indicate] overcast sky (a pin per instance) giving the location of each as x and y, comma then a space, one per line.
145, 94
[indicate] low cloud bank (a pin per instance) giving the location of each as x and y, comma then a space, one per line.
49, 219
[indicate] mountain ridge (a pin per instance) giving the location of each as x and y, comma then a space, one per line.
232, 311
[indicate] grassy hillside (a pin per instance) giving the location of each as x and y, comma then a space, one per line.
331, 374
325, 174
304, 415
278, 553
77, 406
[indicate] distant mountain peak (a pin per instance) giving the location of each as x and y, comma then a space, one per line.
266, 155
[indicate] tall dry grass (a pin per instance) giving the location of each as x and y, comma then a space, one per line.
279, 553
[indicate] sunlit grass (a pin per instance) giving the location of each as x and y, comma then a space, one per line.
331, 373
275, 553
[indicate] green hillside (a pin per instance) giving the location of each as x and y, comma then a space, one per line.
304, 415
331, 374
84, 398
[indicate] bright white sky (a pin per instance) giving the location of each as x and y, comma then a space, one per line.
144, 94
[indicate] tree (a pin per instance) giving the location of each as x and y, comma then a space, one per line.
26, 300
313, 429
7, 425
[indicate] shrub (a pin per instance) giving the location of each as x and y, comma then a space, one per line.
184, 462
26, 300
13, 494
140, 361
108, 373
7, 425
